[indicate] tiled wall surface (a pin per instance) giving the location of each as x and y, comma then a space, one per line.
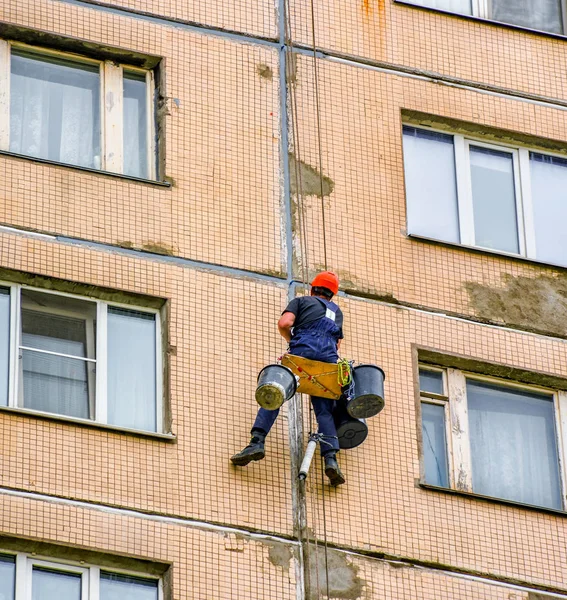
218, 341
222, 150
205, 563
253, 17
365, 214
222, 331
226, 208
408, 36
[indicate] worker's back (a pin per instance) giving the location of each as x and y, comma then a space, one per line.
317, 328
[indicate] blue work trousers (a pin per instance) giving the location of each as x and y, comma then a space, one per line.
323, 409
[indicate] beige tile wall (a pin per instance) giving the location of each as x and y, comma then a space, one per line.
253, 17
222, 150
205, 564
407, 36
365, 216
225, 207
223, 331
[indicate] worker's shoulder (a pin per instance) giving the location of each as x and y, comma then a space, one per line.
311, 302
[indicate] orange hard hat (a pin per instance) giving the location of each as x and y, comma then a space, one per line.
327, 280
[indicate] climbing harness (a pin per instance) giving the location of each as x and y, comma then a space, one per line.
314, 377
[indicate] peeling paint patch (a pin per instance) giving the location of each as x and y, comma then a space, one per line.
532, 303
279, 554
309, 182
343, 581
265, 71
159, 248
126, 244
155, 247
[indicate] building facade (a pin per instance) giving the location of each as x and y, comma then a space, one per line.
171, 174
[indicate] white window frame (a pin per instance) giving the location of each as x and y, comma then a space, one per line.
482, 9
90, 574
111, 112
90, 359
522, 190
101, 352
457, 427
440, 400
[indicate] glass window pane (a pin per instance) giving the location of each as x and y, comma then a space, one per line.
124, 587
55, 109
55, 585
494, 199
434, 444
131, 369
431, 187
459, 6
544, 15
4, 346
513, 444
549, 182
431, 381
55, 384
53, 326
135, 125
7, 577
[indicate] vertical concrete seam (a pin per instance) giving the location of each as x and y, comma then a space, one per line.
295, 413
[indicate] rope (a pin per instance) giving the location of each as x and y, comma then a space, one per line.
303, 241
324, 525
324, 229
319, 141
345, 377
344, 374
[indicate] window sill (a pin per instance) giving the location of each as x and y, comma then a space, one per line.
481, 498
484, 251
556, 36
45, 161
168, 437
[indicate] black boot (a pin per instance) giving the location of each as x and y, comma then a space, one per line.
254, 451
332, 470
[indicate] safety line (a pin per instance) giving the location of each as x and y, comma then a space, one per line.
303, 244
319, 142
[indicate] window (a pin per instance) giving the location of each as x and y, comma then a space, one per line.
543, 15
40, 579
492, 438
433, 423
499, 198
81, 358
76, 110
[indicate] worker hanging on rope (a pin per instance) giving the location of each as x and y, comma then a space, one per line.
313, 327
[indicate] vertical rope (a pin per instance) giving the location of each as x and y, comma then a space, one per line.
325, 524
301, 222
324, 227
303, 241
319, 141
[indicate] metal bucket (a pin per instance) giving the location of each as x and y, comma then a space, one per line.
276, 384
350, 431
368, 397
